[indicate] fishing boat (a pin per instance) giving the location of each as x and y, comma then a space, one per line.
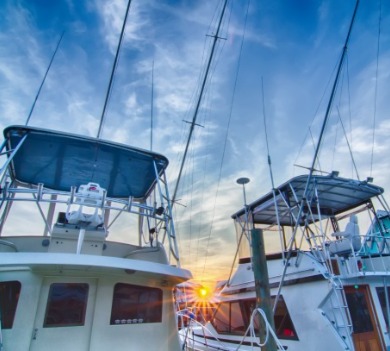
70, 286
327, 287
330, 291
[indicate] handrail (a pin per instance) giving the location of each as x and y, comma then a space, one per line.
126, 204
249, 332
118, 206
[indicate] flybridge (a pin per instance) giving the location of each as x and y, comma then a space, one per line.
91, 178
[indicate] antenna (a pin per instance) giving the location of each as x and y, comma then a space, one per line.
243, 181
44, 78
271, 175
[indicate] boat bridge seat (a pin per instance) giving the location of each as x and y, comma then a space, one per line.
89, 195
350, 239
65, 236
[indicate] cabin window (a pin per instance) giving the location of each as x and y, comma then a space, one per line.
9, 297
385, 303
133, 304
233, 318
66, 305
283, 323
222, 318
237, 318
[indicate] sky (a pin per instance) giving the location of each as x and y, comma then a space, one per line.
270, 78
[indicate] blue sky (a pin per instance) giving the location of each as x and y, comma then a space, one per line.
292, 45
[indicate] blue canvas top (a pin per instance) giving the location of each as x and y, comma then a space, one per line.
61, 160
332, 194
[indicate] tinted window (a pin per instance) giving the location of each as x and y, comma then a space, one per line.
233, 318
283, 323
237, 318
222, 317
9, 297
136, 304
66, 305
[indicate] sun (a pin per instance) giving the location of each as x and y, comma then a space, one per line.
203, 293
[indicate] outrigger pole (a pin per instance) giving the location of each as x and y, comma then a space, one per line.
44, 78
311, 170
193, 123
109, 89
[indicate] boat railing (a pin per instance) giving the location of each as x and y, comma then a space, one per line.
187, 333
251, 332
370, 257
42, 195
158, 214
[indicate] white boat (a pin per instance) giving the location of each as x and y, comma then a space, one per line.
332, 287
70, 287
328, 287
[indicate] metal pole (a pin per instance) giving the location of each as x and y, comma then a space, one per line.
44, 78
263, 294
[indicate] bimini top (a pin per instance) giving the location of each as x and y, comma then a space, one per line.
61, 160
334, 195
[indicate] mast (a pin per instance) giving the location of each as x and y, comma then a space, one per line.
110, 83
193, 123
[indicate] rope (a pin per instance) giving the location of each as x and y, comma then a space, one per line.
268, 329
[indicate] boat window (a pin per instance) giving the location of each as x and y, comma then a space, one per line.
9, 297
233, 318
359, 310
66, 305
221, 318
283, 323
237, 324
385, 303
133, 304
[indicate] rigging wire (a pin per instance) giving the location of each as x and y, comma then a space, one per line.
348, 144
376, 86
226, 136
